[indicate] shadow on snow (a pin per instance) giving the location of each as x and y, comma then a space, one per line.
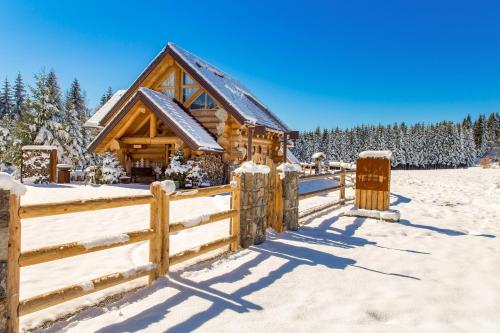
282, 246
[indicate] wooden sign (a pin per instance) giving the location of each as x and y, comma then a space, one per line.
373, 174
373, 177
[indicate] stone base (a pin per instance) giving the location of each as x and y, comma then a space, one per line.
390, 215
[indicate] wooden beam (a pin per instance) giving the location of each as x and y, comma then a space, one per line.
138, 127
65, 294
151, 141
190, 254
178, 226
76, 206
152, 125
202, 192
61, 251
12, 266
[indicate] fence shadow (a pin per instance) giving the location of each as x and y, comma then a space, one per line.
399, 199
286, 246
295, 256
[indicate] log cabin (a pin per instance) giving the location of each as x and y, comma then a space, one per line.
181, 102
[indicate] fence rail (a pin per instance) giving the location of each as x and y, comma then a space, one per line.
340, 175
78, 206
157, 234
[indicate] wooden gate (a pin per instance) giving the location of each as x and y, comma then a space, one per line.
275, 199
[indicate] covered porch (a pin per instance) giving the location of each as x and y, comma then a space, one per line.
152, 128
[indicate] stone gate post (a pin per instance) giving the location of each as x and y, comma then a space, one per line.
290, 181
254, 182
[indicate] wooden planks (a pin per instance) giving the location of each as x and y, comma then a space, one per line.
179, 226
369, 199
193, 253
61, 251
65, 294
318, 192
202, 192
77, 206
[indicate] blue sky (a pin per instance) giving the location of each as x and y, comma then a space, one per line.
326, 63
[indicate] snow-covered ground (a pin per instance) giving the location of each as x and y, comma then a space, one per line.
435, 271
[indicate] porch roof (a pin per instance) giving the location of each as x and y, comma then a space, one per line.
188, 129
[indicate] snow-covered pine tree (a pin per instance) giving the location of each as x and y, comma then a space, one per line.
110, 169
45, 115
6, 100
19, 97
73, 118
480, 135
491, 130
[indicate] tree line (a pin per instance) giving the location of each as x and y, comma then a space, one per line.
44, 115
436, 145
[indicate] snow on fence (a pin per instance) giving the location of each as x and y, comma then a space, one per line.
340, 175
157, 234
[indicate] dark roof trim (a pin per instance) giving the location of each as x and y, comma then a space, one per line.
140, 96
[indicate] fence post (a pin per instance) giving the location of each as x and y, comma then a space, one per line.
342, 184
235, 220
290, 200
165, 227
10, 249
154, 223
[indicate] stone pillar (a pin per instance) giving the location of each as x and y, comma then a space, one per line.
290, 183
253, 217
4, 239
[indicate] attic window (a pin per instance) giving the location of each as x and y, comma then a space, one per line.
198, 64
167, 86
203, 102
189, 86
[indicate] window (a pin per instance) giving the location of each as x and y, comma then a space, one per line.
168, 85
189, 87
202, 102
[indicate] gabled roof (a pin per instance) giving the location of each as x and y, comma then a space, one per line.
171, 113
233, 96
97, 117
227, 89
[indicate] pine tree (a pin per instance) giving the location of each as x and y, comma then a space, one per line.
480, 135
44, 115
110, 169
73, 119
19, 97
106, 96
6, 101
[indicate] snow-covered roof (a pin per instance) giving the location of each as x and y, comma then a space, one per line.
291, 157
231, 90
387, 154
183, 120
318, 155
96, 118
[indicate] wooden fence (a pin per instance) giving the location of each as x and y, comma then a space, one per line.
340, 175
157, 234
